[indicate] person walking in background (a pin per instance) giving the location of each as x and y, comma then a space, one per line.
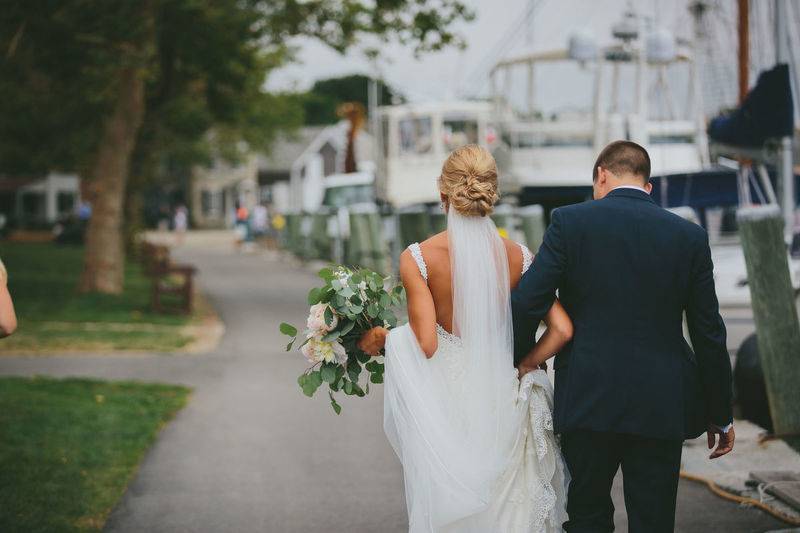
180, 223
260, 220
242, 224
8, 318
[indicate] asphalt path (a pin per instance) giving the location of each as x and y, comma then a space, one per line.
251, 453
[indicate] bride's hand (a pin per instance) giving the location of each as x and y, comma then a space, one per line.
524, 369
373, 341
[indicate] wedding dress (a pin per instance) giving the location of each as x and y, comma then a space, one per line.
476, 444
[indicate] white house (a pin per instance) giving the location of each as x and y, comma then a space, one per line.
39, 200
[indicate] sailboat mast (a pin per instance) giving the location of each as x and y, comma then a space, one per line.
744, 48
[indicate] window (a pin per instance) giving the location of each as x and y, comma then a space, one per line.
458, 132
65, 202
348, 195
205, 202
416, 135
538, 140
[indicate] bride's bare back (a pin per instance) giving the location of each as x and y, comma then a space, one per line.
431, 302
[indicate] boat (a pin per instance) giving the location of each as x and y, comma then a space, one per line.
633, 83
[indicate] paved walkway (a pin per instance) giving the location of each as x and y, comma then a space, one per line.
250, 453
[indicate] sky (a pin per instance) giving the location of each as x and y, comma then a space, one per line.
452, 72
501, 30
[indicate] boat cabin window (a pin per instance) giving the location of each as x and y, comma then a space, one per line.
458, 132
536, 140
416, 135
345, 195
671, 139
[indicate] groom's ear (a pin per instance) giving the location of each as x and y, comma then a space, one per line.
600, 176
648, 187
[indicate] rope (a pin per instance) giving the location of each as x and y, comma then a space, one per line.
725, 495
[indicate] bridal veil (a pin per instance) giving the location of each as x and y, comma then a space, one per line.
453, 420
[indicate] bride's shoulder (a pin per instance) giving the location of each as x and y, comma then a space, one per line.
417, 256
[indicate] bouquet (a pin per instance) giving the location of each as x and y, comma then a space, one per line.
349, 303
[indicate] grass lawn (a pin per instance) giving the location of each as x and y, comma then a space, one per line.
53, 316
69, 448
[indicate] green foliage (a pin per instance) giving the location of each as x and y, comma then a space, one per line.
69, 448
57, 78
320, 102
205, 65
288, 329
358, 300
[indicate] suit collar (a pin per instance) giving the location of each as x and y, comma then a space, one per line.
627, 192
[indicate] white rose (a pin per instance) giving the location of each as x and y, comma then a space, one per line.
316, 320
318, 351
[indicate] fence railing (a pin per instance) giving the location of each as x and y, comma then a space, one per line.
363, 236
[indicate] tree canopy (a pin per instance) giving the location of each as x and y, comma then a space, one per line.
133, 87
320, 102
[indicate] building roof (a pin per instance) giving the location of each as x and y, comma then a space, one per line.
287, 148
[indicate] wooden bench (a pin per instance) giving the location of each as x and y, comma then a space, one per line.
168, 278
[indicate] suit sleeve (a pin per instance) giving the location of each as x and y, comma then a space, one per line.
536, 291
708, 334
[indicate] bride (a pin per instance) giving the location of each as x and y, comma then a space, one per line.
474, 434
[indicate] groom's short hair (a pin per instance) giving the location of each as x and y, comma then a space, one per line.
624, 157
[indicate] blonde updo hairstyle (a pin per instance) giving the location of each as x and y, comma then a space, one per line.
469, 181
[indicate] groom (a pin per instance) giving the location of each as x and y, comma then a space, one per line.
628, 389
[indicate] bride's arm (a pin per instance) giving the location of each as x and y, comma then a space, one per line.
421, 312
557, 334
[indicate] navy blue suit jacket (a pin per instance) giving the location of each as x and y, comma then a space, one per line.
626, 271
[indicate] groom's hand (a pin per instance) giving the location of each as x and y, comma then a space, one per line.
725, 444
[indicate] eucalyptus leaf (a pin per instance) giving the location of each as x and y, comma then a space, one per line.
332, 336
288, 329
313, 296
328, 372
346, 328
326, 274
328, 316
353, 370
336, 407
376, 378
311, 383
385, 300
326, 295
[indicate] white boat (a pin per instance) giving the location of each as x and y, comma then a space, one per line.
633, 97
416, 138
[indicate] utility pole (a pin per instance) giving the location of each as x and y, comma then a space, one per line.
744, 48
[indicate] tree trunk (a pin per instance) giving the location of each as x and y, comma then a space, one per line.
134, 222
104, 257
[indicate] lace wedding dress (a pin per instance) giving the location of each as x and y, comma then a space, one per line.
476, 444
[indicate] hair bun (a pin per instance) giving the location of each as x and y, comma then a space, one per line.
469, 180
